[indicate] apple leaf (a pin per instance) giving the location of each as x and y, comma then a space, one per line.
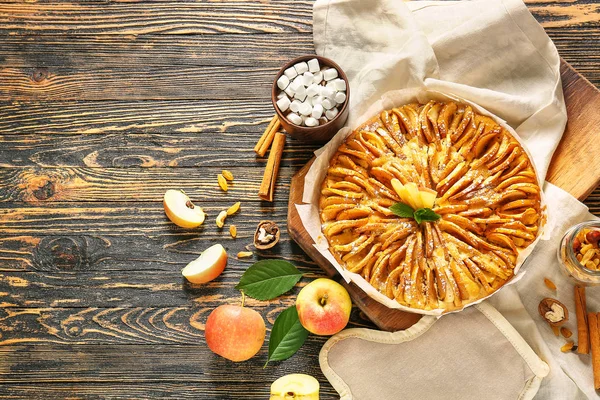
267, 279
287, 335
402, 210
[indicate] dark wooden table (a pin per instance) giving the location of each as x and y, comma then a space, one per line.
105, 105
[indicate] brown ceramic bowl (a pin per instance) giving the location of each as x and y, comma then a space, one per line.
315, 134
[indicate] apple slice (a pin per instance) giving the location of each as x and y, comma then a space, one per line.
208, 266
413, 192
181, 211
296, 387
401, 191
428, 197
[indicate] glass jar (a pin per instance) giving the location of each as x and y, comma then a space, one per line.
567, 256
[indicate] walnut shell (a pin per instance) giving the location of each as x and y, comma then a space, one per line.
271, 228
544, 307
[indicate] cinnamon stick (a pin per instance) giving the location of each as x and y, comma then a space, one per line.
594, 321
267, 137
267, 185
583, 347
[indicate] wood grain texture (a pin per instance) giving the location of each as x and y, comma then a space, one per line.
146, 366
579, 148
259, 50
141, 150
100, 117
35, 185
97, 17
150, 83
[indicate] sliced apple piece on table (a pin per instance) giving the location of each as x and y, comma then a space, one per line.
181, 211
428, 197
295, 387
208, 266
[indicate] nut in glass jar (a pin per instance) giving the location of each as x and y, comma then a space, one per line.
579, 253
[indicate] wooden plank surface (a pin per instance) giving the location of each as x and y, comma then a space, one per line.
103, 106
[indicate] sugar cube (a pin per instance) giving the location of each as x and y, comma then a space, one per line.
340, 97
313, 65
301, 67
294, 118
290, 72
330, 74
283, 82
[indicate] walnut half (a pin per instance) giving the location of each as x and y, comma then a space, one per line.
266, 235
553, 311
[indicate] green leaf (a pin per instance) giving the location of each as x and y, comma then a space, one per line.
287, 336
268, 279
426, 214
402, 210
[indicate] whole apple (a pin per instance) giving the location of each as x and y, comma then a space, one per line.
323, 307
234, 332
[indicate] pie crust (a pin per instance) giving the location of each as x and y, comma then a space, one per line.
488, 198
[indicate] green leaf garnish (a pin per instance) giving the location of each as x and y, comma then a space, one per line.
287, 336
425, 214
422, 214
267, 279
402, 210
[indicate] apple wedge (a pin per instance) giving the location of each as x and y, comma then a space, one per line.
295, 387
181, 211
428, 197
208, 266
413, 192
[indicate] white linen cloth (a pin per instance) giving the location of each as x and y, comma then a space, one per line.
495, 54
426, 359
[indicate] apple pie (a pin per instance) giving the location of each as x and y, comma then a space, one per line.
443, 156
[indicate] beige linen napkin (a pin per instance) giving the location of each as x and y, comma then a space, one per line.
460, 357
493, 53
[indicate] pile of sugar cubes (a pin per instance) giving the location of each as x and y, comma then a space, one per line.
310, 95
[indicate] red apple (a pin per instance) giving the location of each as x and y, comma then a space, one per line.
323, 307
234, 332
208, 266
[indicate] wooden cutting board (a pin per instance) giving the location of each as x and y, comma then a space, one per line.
575, 168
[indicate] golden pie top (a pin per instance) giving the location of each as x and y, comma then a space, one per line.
487, 196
